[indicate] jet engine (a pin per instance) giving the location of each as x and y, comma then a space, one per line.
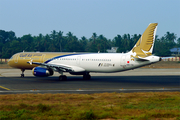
42, 72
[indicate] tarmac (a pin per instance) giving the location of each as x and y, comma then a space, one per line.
138, 80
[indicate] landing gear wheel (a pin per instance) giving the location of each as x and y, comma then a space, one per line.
62, 78
86, 77
22, 75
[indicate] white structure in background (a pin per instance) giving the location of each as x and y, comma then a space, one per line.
170, 58
175, 51
112, 50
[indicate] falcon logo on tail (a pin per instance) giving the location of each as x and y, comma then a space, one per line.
144, 46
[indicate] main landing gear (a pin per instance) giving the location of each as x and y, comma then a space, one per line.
62, 78
22, 75
87, 76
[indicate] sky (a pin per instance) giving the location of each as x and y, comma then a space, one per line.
85, 17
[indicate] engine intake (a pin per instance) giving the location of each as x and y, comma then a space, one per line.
42, 72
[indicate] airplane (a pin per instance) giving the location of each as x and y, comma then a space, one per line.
44, 64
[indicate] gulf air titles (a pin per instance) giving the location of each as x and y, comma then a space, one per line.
46, 63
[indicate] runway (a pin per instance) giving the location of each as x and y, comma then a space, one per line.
139, 80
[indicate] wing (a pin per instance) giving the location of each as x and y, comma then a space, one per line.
58, 68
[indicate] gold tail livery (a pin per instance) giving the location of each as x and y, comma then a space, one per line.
46, 63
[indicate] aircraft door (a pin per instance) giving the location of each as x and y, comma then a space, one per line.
43, 58
78, 60
122, 61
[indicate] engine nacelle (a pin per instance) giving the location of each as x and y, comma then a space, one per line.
42, 72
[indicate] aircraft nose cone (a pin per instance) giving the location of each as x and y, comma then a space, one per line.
9, 62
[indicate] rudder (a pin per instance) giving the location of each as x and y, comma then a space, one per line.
144, 46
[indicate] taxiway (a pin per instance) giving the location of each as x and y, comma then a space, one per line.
138, 80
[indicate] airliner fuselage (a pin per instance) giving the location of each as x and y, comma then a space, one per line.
45, 63
89, 62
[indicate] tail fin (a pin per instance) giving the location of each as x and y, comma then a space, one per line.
145, 44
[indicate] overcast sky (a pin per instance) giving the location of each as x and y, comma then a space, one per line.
84, 17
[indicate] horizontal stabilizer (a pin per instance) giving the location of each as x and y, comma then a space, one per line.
140, 59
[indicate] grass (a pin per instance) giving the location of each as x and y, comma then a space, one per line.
140, 106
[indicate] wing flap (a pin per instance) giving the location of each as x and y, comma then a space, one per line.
58, 67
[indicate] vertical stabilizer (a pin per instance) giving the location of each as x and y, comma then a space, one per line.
145, 44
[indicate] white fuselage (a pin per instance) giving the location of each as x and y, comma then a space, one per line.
102, 62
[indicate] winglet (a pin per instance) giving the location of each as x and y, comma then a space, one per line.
145, 44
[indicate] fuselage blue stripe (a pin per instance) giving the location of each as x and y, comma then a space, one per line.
59, 57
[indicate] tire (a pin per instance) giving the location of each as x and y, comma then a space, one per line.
22, 75
86, 77
62, 78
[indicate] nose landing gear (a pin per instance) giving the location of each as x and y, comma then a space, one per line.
22, 75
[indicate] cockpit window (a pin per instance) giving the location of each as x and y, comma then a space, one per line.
11, 58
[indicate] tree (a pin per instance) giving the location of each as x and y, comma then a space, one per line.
178, 42
161, 47
94, 36
83, 42
27, 43
170, 37
55, 41
60, 39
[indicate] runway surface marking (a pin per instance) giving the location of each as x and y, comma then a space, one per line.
79, 90
4, 88
1, 75
139, 80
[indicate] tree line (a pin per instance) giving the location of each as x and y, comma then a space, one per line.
57, 42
